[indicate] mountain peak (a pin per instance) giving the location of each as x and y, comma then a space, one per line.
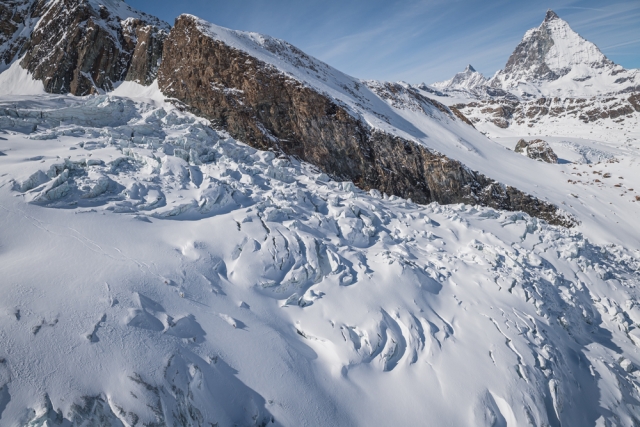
467, 80
553, 55
550, 16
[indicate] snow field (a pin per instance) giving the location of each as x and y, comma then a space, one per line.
155, 270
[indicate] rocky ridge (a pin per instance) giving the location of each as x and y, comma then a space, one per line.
81, 47
468, 83
265, 107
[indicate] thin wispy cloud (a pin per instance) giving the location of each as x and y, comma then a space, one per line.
623, 44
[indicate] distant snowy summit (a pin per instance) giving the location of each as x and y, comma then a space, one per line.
552, 60
469, 83
469, 79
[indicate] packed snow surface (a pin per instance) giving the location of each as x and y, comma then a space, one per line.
155, 270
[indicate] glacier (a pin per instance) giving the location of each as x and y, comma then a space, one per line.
158, 272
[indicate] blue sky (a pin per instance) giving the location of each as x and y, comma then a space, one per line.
415, 40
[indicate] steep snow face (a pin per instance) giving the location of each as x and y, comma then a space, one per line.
17, 81
469, 80
156, 271
553, 60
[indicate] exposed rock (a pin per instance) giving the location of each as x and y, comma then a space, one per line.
262, 106
634, 100
504, 112
79, 47
15, 26
406, 97
147, 54
537, 149
461, 116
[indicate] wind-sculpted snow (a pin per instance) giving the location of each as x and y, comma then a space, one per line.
190, 280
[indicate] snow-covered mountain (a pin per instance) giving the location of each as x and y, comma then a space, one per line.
552, 60
469, 84
173, 253
384, 136
555, 83
469, 79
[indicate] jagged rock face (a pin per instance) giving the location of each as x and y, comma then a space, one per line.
529, 56
15, 17
147, 54
537, 149
81, 47
260, 105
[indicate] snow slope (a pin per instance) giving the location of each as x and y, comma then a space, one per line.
157, 271
17, 81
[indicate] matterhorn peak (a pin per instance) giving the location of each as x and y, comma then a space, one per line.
554, 59
550, 16
469, 69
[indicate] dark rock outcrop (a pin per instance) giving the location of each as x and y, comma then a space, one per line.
147, 53
260, 105
14, 20
537, 149
79, 48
